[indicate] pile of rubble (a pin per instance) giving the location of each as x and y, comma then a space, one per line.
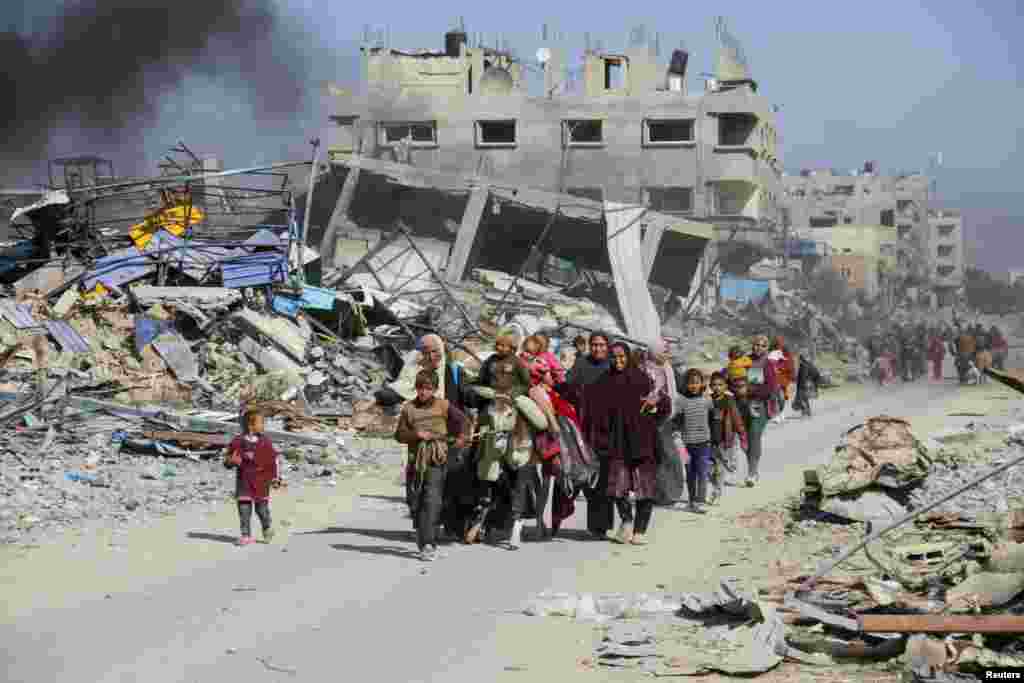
929, 536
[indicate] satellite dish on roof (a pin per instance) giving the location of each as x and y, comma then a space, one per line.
543, 55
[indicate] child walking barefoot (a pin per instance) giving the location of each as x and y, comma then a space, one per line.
254, 459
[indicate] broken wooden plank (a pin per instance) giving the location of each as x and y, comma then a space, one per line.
940, 623
190, 438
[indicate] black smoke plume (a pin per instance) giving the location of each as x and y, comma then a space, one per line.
103, 66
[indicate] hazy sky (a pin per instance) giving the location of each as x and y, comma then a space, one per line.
894, 81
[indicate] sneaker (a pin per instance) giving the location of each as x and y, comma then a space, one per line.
428, 553
625, 534
515, 539
716, 495
268, 534
245, 540
639, 539
750, 482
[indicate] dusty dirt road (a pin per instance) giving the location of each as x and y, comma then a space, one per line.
340, 596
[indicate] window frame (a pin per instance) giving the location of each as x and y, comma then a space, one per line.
646, 133
382, 133
567, 140
478, 134
651, 190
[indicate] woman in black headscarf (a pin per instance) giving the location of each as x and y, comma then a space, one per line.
623, 434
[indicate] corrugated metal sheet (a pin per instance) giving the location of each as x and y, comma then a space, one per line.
19, 315
254, 270
67, 337
196, 258
119, 268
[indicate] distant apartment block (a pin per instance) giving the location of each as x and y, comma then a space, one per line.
885, 219
946, 249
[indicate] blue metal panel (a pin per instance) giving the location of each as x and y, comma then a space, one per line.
286, 305
12, 255
254, 270
318, 298
118, 268
194, 257
67, 336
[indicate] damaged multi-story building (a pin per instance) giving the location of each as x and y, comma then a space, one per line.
880, 230
623, 171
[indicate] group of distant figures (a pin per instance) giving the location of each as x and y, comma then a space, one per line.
907, 351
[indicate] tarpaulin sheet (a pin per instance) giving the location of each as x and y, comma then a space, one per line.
67, 336
743, 290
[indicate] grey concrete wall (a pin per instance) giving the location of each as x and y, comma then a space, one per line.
623, 165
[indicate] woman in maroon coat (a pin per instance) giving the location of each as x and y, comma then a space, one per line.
624, 436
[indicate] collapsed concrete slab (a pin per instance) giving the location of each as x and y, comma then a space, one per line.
626, 241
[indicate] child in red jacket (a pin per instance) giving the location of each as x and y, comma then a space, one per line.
254, 459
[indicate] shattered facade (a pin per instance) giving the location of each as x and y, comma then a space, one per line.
453, 145
884, 223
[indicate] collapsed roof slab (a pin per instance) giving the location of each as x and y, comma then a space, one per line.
625, 239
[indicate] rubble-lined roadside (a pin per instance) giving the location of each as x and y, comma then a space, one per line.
872, 616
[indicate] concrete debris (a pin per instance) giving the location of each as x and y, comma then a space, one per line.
962, 555
680, 635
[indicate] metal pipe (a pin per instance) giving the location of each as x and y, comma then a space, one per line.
309, 209
870, 538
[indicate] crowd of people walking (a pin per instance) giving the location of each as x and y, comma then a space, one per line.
910, 352
619, 425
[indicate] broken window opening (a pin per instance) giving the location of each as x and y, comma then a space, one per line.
904, 231
735, 130
670, 200
946, 230
945, 271
496, 133
889, 218
945, 250
422, 134
668, 131
593, 193
584, 132
823, 221
614, 73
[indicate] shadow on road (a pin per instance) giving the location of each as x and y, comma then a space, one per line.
394, 551
386, 499
219, 538
393, 535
